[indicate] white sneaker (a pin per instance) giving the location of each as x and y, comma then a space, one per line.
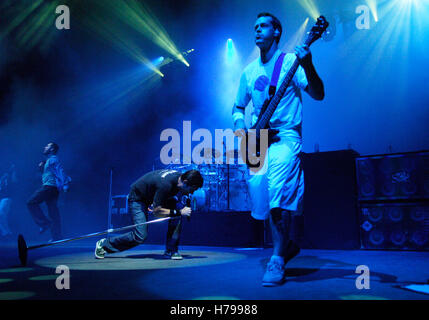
274, 275
99, 251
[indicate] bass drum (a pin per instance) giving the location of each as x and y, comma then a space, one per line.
199, 200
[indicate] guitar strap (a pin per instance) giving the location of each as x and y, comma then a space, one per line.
276, 74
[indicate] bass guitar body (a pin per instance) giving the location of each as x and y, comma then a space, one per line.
255, 143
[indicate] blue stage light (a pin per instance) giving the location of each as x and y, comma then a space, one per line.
158, 61
230, 51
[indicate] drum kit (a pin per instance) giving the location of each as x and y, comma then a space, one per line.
225, 186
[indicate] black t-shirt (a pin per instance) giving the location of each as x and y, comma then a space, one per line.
157, 187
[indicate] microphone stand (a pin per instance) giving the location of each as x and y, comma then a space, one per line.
227, 176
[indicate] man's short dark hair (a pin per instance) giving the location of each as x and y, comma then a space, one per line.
55, 147
193, 177
275, 22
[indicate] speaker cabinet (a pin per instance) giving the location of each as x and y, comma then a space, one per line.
393, 177
330, 200
397, 226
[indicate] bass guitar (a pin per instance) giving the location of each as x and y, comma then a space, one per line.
257, 139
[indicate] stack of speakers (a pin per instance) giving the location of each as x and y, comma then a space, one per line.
330, 219
393, 200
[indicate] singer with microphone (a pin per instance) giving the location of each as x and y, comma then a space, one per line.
168, 192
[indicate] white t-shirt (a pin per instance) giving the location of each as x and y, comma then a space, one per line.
254, 85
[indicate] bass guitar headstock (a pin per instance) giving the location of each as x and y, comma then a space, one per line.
317, 30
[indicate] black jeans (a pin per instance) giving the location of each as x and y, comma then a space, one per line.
49, 195
138, 235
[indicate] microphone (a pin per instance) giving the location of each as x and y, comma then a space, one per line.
183, 201
188, 204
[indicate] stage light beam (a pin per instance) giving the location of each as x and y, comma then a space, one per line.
38, 26
402, 28
140, 18
297, 38
31, 24
372, 4
311, 8
230, 51
119, 39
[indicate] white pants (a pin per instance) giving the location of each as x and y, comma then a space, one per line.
282, 184
5, 204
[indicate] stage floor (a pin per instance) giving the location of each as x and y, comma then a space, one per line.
207, 273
